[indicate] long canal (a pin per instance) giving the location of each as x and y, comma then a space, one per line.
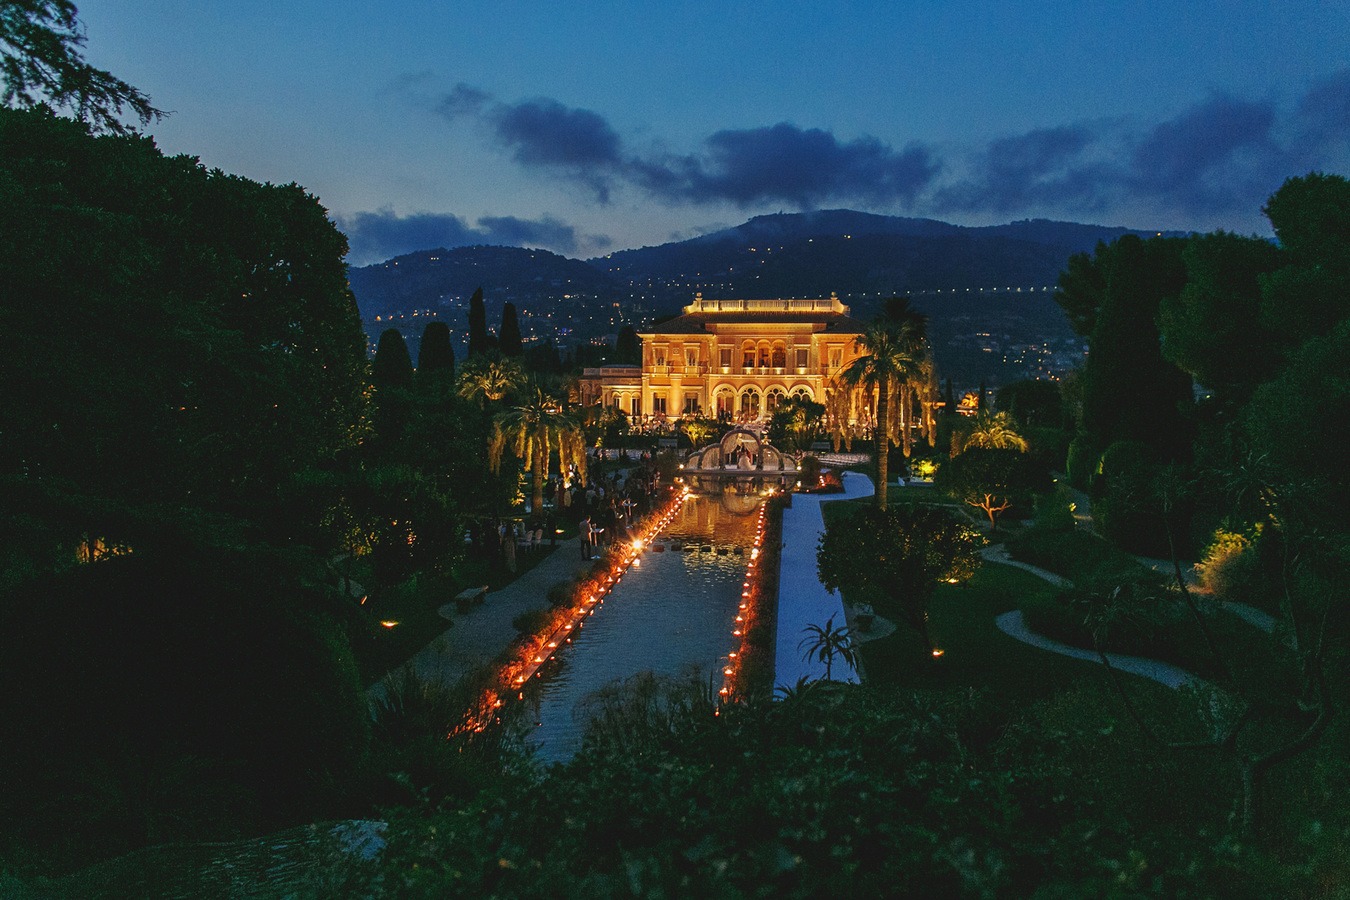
673, 614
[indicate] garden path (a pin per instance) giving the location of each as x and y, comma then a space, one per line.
802, 599
1013, 625
478, 636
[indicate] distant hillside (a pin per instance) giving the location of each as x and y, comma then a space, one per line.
987, 290
811, 254
429, 278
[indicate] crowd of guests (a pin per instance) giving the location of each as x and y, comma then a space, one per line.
605, 506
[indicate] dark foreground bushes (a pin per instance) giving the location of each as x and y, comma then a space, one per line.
159, 697
841, 791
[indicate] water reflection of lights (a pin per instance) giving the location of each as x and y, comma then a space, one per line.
518, 672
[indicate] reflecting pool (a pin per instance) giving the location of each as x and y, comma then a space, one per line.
672, 613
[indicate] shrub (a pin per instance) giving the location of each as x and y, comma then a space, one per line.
1221, 569
532, 621
1079, 556
563, 593
1054, 512
809, 472
1083, 462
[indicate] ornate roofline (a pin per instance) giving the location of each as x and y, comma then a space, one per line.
832, 305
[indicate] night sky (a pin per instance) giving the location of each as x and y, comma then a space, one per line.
595, 127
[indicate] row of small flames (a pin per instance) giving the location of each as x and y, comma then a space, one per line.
749, 590
516, 674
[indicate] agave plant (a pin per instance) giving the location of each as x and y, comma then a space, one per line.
826, 644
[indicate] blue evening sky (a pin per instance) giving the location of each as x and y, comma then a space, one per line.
590, 127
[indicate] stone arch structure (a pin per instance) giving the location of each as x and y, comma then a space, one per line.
778, 358
741, 450
803, 391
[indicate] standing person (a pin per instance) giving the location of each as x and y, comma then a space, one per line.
509, 549
586, 536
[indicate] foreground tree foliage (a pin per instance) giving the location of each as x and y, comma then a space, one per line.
1265, 328
832, 791
192, 358
42, 61
173, 694
213, 346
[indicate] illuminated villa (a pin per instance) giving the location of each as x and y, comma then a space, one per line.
734, 360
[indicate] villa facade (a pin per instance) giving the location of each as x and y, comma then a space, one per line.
734, 360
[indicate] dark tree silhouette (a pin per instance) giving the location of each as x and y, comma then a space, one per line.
627, 347
436, 354
478, 333
508, 339
393, 366
41, 60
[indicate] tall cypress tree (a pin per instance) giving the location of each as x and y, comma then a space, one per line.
509, 337
393, 366
1130, 392
392, 374
478, 336
628, 347
437, 355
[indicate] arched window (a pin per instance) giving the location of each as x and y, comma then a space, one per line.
748, 354
726, 402
772, 399
749, 405
803, 393
779, 356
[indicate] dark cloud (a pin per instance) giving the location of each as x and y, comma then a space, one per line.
786, 164
1221, 156
543, 133
1047, 165
780, 164
1322, 120
546, 133
1216, 157
1203, 160
463, 100
380, 235
545, 232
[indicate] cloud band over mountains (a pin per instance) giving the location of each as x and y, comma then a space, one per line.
1221, 156
383, 234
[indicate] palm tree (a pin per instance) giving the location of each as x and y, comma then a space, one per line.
826, 643
698, 430
892, 358
490, 378
535, 430
993, 431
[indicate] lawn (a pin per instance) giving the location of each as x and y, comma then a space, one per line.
976, 654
